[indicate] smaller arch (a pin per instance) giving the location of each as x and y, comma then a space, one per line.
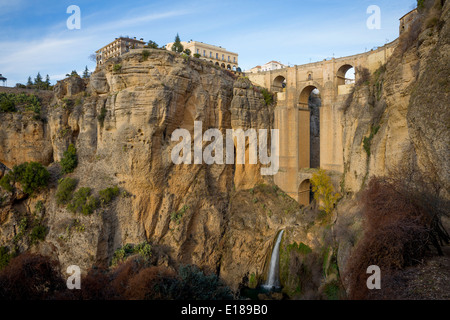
279, 84
228, 67
217, 64
223, 65
345, 75
305, 194
234, 68
310, 76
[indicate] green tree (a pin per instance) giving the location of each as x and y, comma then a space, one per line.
187, 51
86, 74
324, 191
152, 45
47, 82
29, 83
38, 81
69, 160
31, 176
177, 46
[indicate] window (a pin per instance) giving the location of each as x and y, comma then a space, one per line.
204, 53
234, 59
228, 58
217, 56
223, 57
198, 50
210, 54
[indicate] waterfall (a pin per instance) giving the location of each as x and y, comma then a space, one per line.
273, 277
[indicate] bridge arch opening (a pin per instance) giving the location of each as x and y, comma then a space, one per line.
279, 84
345, 75
311, 100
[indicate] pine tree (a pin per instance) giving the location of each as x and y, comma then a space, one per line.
177, 46
38, 81
47, 82
29, 83
86, 73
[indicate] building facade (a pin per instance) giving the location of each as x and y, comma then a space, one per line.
118, 47
269, 66
214, 54
407, 20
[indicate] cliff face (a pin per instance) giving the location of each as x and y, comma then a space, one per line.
399, 115
121, 123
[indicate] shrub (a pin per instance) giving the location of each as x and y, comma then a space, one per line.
83, 202
144, 250
108, 194
69, 160
117, 68
64, 192
401, 223
145, 54
101, 117
38, 233
30, 277
176, 216
29, 102
268, 97
5, 257
32, 177
197, 55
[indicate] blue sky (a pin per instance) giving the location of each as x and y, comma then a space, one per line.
34, 36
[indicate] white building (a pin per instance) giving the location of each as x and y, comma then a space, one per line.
269, 66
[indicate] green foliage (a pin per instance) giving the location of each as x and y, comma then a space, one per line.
421, 5
64, 192
300, 248
324, 191
101, 117
83, 202
86, 74
70, 160
252, 282
367, 142
5, 257
38, 233
152, 45
145, 54
177, 46
197, 55
268, 97
29, 102
117, 68
332, 290
176, 216
144, 250
187, 52
108, 194
32, 177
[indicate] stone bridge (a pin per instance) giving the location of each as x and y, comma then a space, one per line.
294, 86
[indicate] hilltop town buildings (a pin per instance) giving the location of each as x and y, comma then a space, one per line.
269, 66
118, 47
214, 54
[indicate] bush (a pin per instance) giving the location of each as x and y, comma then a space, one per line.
30, 277
197, 55
268, 97
117, 68
101, 117
38, 233
144, 250
32, 177
64, 192
70, 160
401, 223
5, 257
108, 194
145, 54
29, 102
83, 202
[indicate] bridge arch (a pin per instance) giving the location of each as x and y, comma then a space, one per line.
342, 74
279, 84
305, 93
